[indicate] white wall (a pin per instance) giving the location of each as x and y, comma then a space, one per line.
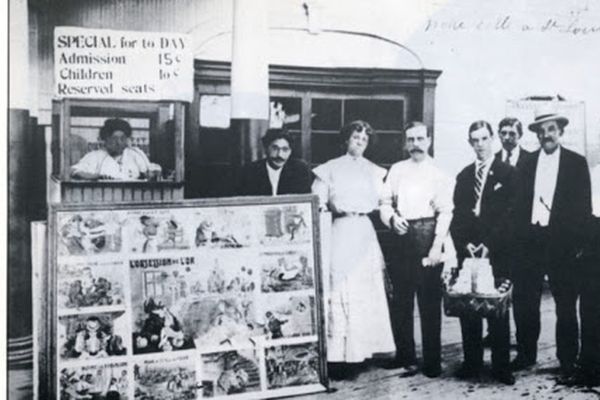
485, 64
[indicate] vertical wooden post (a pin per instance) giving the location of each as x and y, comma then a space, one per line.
249, 79
19, 193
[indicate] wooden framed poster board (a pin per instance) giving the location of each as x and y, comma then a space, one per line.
184, 300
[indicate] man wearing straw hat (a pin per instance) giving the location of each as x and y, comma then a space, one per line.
554, 215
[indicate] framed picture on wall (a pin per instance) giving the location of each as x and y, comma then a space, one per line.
185, 300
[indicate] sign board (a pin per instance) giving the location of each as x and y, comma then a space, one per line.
215, 112
108, 64
194, 299
574, 137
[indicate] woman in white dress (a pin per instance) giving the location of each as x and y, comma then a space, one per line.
349, 186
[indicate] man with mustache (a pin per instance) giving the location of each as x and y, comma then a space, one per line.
417, 207
555, 214
278, 173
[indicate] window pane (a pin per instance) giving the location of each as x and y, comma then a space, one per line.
297, 144
385, 149
327, 114
381, 114
325, 147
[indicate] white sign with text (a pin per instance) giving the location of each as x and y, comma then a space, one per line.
108, 64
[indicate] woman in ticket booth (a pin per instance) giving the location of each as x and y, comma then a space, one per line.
117, 160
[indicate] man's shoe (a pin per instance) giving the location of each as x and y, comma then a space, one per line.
409, 370
520, 363
590, 378
432, 372
505, 377
390, 364
569, 375
569, 380
393, 364
467, 371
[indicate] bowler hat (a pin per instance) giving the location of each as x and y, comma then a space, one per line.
541, 118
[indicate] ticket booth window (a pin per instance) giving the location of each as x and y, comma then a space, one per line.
84, 135
77, 126
149, 165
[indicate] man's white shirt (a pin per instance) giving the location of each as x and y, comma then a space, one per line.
514, 156
274, 175
418, 190
546, 175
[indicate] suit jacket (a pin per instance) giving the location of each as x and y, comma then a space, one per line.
571, 214
524, 156
494, 227
295, 178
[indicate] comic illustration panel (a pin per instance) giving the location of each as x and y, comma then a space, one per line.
152, 231
284, 315
92, 336
160, 293
93, 284
292, 365
182, 303
98, 381
89, 233
232, 227
166, 378
230, 372
285, 225
286, 271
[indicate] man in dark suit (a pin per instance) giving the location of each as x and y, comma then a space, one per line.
554, 216
277, 173
589, 306
510, 131
485, 197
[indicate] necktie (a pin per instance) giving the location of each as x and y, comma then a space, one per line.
508, 155
479, 182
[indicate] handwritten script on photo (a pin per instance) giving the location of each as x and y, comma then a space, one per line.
576, 24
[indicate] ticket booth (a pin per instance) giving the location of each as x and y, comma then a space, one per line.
157, 131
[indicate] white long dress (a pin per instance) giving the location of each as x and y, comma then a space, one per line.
359, 324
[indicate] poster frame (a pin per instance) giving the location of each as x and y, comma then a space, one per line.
49, 354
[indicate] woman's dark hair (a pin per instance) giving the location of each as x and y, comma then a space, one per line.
355, 126
478, 125
112, 125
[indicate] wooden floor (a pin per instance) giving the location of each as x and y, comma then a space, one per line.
376, 383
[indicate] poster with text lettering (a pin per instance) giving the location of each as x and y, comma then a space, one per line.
128, 65
186, 300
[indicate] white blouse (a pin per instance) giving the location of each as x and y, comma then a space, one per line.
349, 184
129, 166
